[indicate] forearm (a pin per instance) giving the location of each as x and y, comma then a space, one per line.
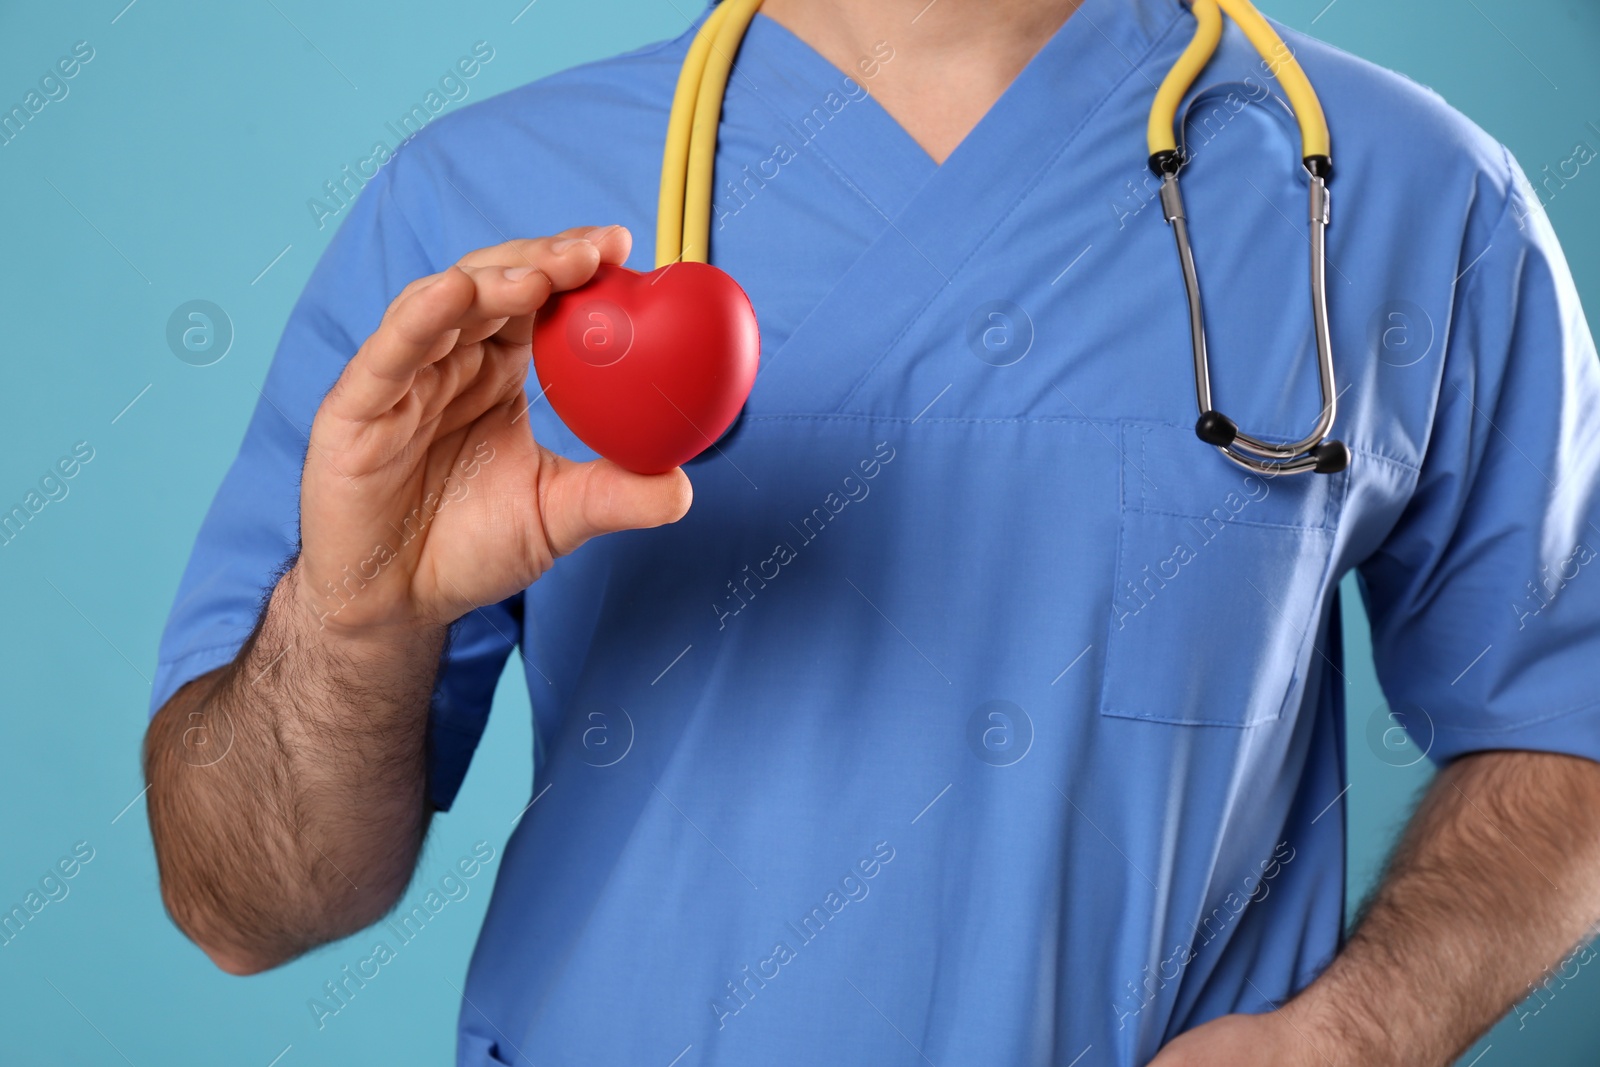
287, 791
1495, 879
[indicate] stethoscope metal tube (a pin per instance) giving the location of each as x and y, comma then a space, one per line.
1313, 452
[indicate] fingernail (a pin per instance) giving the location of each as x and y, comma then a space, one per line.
599, 233
516, 274
566, 243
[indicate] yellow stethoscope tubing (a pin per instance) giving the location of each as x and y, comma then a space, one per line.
1163, 137
675, 159
683, 219
1162, 133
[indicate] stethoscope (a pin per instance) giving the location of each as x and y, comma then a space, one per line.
683, 226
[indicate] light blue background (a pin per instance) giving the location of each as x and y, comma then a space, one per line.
179, 167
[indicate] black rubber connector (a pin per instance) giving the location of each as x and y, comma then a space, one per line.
1215, 428
1332, 457
1320, 167
1168, 162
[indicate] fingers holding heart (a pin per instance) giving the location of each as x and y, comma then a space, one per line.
499, 378
460, 306
579, 501
614, 243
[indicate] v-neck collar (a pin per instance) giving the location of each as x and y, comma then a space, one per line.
877, 159
811, 69
871, 152
1126, 27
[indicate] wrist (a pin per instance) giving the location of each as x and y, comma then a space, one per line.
319, 613
1335, 1029
317, 673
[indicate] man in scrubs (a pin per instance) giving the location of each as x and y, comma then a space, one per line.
975, 711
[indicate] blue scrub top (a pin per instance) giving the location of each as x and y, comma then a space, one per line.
977, 713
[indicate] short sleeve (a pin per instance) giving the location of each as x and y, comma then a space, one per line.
252, 528
1485, 598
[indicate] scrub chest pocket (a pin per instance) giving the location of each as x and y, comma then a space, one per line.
1219, 583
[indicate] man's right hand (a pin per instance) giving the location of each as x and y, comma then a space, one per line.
424, 494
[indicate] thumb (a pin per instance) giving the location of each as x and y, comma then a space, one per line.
578, 501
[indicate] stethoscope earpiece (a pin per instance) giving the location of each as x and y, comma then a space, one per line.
1215, 428
1331, 456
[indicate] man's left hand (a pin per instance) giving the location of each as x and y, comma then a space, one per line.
1269, 1040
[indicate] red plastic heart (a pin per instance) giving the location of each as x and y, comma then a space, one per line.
650, 369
